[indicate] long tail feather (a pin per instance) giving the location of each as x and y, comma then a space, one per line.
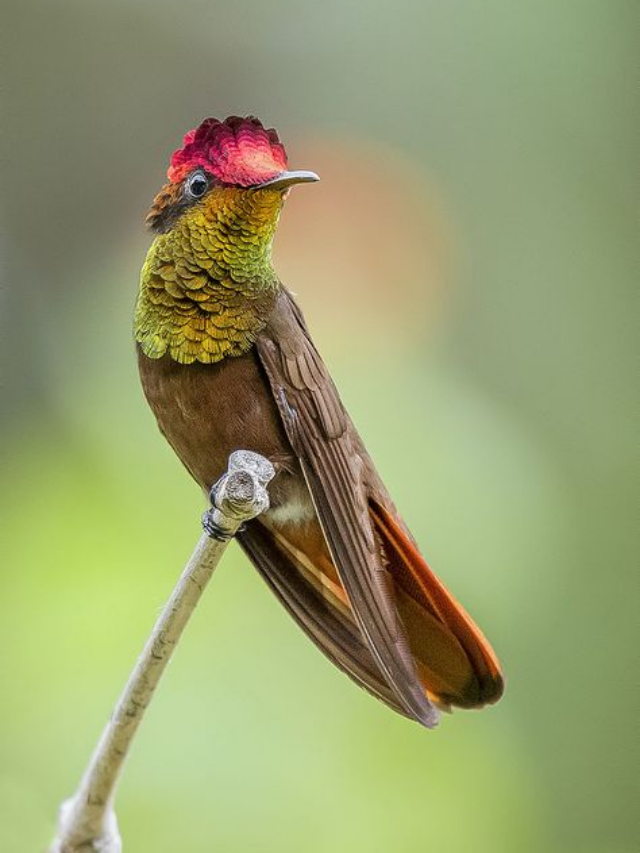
455, 661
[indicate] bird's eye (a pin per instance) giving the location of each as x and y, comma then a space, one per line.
196, 185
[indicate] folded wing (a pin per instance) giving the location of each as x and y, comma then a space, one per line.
385, 619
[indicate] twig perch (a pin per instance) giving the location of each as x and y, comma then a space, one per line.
87, 821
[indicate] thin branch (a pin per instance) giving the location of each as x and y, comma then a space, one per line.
87, 821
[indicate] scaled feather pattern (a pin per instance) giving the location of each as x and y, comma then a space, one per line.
239, 151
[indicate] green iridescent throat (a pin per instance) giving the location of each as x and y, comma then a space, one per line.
207, 285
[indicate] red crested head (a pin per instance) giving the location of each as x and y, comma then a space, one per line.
239, 151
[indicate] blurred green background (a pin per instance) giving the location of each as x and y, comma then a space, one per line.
466, 266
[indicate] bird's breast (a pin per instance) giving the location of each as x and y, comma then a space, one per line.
206, 411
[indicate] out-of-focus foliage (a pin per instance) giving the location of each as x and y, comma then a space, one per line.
466, 265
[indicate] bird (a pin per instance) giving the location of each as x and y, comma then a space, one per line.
226, 361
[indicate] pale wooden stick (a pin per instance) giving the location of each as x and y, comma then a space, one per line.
87, 821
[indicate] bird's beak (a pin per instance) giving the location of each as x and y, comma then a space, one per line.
287, 179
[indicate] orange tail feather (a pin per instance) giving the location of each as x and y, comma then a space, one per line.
455, 661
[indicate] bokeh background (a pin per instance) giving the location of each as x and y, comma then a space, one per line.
466, 265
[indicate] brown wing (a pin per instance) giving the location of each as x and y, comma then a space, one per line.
329, 452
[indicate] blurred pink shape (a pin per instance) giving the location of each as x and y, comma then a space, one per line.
366, 249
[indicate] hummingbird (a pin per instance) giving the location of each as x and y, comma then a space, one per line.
226, 361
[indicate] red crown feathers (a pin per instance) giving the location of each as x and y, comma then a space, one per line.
237, 151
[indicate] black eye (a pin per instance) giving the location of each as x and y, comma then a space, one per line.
196, 185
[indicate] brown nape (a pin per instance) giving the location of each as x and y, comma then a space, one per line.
167, 206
